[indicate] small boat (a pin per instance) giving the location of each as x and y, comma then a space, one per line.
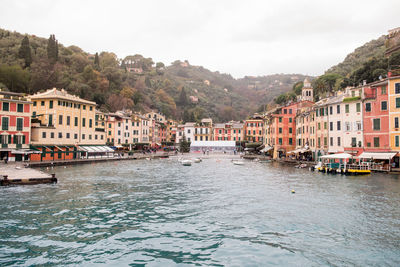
265, 161
197, 160
186, 162
238, 162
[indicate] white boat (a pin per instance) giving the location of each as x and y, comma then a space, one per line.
186, 162
197, 160
238, 162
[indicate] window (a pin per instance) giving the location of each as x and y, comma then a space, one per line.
338, 109
84, 107
331, 125
348, 126
338, 125
319, 141
60, 135
51, 135
347, 108
280, 119
280, 130
396, 122
397, 88
338, 141
290, 111
285, 111
280, 141
34, 103
75, 136
20, 122
396, 139
91, 108
50, 120
376, 124
290, 120
325, 125
397, 102
384, 105
376, 141
325, 141
330, 110
6, 106
68, 120
358, 107
4, 123
383, 90
43, 134
83, 122
83, 137
358, 125
42, 103
76, 121
353, 93
60, 119
91, 122
367, 107
368, 144
51, 104
319, 126
290, 130
290, 141
353, 142
331, 139
20, 108
67, 135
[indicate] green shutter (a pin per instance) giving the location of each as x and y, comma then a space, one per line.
9, 139
23, 139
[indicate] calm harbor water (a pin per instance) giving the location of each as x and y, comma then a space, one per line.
160, 213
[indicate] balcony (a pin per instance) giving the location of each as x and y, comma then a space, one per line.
4, 145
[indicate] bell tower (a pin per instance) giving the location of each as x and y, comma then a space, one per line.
307, 93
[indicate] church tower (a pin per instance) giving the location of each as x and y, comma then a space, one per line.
307, 91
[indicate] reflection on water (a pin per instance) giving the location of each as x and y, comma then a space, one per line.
212, 213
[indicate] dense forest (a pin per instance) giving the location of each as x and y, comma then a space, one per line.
30, 64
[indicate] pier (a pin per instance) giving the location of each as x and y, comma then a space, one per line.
18, 174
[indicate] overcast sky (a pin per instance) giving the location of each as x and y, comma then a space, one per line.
236, 37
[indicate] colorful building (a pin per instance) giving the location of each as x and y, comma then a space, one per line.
15, 128
61, 124
394, 113
376, 117
254, 128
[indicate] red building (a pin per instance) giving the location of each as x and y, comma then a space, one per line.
281, 127
15, 126
376, 117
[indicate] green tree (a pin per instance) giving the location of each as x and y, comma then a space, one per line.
281, 99
14, 78
52, 49
96, 61
25, 51
183, 98
184, 145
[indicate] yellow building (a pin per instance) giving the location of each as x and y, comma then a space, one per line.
62, 122
394, 112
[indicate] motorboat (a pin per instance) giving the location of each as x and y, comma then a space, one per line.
197, 160
238, 162
186, 162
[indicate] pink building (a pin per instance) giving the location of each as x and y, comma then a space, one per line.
376, 117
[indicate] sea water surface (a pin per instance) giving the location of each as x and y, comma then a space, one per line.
160, 213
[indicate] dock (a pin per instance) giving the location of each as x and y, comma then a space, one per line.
98, 159
18, 174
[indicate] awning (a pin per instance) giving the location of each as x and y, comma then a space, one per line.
25, 151
337, 156
378, 155
266, 149
96, 149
